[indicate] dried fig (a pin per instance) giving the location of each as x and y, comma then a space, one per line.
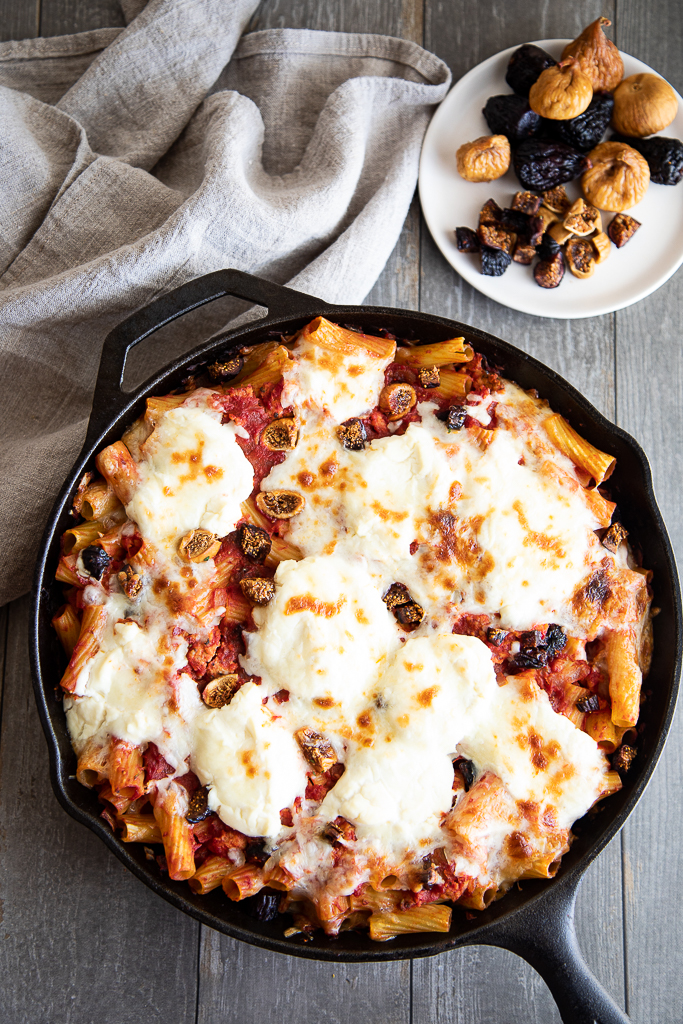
582, 219
580, 256
643, 105
602, 246
664, 156
544, 165
559, 233
549, 273
466, 240
524, 253
526, 202
524, 67
622, 229
548, 217
494, 262
485, 159
561, 92
557, 200
598, 57
511, 116
618, 178
586, 130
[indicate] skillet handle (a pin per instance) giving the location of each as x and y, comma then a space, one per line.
544, 936
280, 302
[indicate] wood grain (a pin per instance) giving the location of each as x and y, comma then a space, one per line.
63, 17
19, 20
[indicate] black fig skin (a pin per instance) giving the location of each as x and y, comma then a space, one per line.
525, 66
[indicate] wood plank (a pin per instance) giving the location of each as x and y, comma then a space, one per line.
82, 939
493, 984
19, 21
64, 17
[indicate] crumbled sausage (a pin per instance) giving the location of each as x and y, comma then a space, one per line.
221, 690
254, 542
352, 435
317, 750
130, 580
258, 591
429, 376
614, 537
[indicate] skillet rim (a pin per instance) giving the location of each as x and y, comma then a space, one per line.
338, 950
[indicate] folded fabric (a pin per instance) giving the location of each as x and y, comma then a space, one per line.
134, 160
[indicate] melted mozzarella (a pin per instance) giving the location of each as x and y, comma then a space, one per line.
193, 474
251, 761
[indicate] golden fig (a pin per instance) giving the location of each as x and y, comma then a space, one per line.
485, 159
618, 178
643, 105
597, 55
561, 92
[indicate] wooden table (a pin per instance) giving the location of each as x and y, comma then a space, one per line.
82, 941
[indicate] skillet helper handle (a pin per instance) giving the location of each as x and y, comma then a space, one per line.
281, 303
545, 937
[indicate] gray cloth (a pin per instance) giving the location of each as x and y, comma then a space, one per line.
132, 160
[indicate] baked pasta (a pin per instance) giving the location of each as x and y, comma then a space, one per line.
352, 632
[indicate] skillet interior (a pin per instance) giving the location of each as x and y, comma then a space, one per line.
630, 486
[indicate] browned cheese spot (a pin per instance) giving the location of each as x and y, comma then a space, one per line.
541, 540
361, 617
329, 467
305, 478
354, 370
364, 720
518, 846
386, 515
213, 472
324, 702
246, 759
308, 603
425, 698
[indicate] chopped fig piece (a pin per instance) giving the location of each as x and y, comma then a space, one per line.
524, 254
457, 414
580, 256
467, 770
588, 704
623, 758
536, 228
547, 247
559, 233
253, 542
221, 690
494, 262
409, 615
490, 213
226, 369
95, 561
622, 228
199, 806
199, 546
339, 831
396, 595
281, 435
130, 580
526, 202
429, 376
531, 638
531, 657
352, 435
317, 750
466, 240
556, 199
547, 218
602, 245
555, 638
614, 537
549, 273
496, 238
258, 591
582, 219
396, 400
515, 220
496, 636
280, 504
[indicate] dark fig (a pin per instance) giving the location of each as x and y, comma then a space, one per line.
547, 247
664, 156
466, 240
494, 262
543, 165
525, 66
586, 130
511, 116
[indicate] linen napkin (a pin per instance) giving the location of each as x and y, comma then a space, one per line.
135, 159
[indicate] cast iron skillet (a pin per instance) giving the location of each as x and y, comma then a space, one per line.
536, 921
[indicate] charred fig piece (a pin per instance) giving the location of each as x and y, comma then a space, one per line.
555, 638
557, 200
623, 758
258, 591
466, 240
221, 690
541, 166
396, 400
429, 376
580, 256
396, 595
494, 237
95, 561
525, 66
467, 770
511, 116
524, 254
226, 368
264, 906
531, 638
598, 57
561, 92
253, 542
130, 580
618, 179
602, 245
490, 213
255, 853
622, 229
643, 104
339, 831
496, 636
317, 750
199, 806
614, 536
409, 615
526, 202
494, 262
549, 273
664, 156
582, 219
280, 504
547, 247
353, 435
588, 704
532, 657
281, 435
199, 546
484, 159
585, 131
456, 416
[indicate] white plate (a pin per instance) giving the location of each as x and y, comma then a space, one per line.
448, 201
